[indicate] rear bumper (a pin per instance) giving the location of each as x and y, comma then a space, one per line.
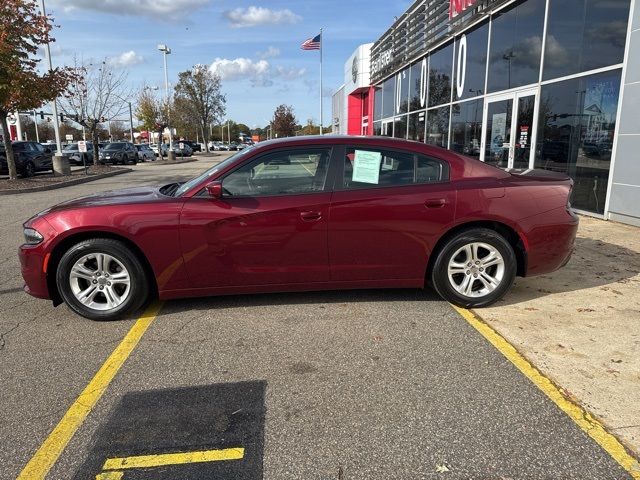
550, 237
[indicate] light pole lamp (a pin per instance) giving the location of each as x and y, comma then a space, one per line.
166, 51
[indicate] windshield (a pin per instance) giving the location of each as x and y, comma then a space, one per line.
114, 146
71, 147
209, 173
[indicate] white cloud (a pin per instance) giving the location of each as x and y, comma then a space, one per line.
126, 59
259, 73
270, 52
254, 16
148, 8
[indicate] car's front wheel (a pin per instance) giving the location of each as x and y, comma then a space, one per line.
102, 279
475, 268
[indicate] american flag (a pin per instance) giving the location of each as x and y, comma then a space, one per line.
312, 43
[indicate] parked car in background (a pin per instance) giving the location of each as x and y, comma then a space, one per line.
119, 152
195, 147
305, 213
30, 157
233, 146
76, 157
182, 149
145, 153
164, 149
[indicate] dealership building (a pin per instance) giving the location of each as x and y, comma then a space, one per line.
548, 84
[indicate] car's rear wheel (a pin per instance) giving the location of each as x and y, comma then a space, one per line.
29, 170
102, 279
475, 268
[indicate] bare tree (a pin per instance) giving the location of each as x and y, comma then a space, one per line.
199, 92
97, 94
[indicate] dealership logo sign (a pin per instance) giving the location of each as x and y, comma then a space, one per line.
456, 7
384, 59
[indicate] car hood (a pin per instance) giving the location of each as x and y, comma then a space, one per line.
125, 196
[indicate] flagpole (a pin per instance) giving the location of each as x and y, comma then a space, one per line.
321, 116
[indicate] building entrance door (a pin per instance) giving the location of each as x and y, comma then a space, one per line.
508, 129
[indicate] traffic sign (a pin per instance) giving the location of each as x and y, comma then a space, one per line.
69, 137
181, 145
82, 146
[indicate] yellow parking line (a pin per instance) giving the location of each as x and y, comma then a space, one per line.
54, 445
161, 460
590, 425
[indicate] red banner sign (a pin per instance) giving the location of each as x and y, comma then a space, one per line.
456, 7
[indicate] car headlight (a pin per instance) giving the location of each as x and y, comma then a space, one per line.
32, 236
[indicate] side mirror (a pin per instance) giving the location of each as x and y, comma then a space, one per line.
214, 189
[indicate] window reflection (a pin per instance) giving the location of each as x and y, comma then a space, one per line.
516, 45
438, 127
466, 127
388, 97
416, 126
584, 35
440, 70
415, 77
400, 127
402, 91
377, 103
576, 130
476, 63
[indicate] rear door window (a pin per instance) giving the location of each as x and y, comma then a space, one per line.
366, 167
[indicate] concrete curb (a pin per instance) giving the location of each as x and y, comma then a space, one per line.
70, 183
164, 162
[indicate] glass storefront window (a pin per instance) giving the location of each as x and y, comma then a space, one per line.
438, 127
402, 91
473, 63
416, 126
415, 79
440, 70
575, 134
516, 45
498, 136
377, 103
466, 127
584, 35
377, 128
388, 97
387, 128
400, 127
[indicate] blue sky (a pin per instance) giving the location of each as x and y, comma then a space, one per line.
254, 46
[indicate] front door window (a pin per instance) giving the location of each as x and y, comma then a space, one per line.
498, 133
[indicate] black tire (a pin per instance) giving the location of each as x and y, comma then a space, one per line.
29, 170
440, 272
138, 292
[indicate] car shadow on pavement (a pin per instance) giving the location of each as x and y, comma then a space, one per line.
304, 298
594, 264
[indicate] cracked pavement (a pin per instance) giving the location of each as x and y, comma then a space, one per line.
348, 385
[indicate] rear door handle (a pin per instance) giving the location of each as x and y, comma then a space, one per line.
435, 203
311, 216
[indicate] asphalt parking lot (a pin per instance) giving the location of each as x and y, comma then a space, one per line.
332, 385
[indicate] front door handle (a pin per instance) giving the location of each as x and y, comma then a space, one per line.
311, 216
435, 202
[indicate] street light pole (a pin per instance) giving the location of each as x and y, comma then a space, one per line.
54, 104
130, 121
166, 51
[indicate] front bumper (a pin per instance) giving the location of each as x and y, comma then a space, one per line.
34, 259
32, 265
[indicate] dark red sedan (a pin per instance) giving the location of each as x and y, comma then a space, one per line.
311, 213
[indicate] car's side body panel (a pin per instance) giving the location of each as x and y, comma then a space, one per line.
333, 239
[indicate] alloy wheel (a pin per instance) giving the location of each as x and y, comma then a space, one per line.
100, 281
476, 269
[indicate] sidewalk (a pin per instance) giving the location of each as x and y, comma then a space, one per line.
581, 325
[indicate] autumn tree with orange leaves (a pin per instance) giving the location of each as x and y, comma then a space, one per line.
23, 29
